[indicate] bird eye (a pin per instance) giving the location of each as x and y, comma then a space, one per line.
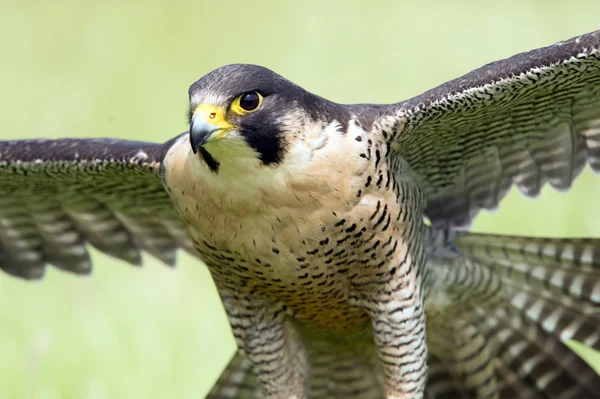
247, 102
250, 101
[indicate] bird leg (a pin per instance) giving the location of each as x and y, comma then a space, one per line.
399, 334
395, 304
393, 295
273, 346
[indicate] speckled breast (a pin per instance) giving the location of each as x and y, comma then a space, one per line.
310, 270
309, 246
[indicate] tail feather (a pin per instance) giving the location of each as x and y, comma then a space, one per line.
569, 266
581, 253
558, 315
442, 383
236, 382
523, 295
538, 358
463, 356
511, 384
554, 282
343, 367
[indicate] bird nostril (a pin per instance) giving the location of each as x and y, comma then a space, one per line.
212, 115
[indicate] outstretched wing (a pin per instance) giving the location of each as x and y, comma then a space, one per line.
58, 195
527, 120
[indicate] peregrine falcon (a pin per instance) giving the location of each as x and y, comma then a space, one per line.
337, 235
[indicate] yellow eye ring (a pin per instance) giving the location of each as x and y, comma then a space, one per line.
247, 102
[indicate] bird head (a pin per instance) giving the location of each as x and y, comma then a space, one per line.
245, 111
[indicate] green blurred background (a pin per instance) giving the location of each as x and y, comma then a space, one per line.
109, 69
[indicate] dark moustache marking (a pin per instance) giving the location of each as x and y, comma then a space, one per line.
212, 163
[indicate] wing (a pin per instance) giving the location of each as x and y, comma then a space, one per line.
58, 195
527, 120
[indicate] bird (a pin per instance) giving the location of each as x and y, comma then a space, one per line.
338, 235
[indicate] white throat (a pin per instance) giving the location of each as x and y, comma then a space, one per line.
311, 166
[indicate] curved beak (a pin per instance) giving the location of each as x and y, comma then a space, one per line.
208, 124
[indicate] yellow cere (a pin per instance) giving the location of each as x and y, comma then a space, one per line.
214, 115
